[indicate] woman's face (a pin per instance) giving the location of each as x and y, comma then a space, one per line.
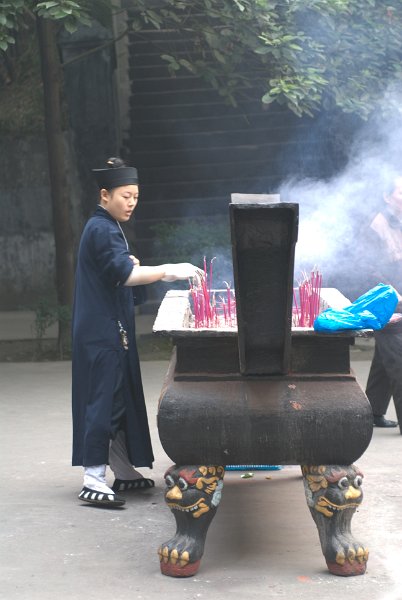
394, 200
120, 202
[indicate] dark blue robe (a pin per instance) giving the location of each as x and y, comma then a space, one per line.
101, 365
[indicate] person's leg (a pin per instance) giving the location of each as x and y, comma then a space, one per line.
94, 479
390, 346
379, 389
96, 491
126, 477
94, 475
119, 461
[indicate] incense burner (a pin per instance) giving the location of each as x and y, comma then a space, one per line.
264, 393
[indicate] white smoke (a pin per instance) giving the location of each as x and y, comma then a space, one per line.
334, 211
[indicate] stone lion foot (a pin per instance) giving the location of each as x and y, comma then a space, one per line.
180, 556
346, 556
333, 494
193, 494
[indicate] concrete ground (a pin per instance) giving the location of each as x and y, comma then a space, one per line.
262, 543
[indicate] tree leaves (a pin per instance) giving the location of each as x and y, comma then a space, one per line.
346, 51
300, 52
69, 12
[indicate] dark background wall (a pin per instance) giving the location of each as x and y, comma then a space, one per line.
26, 235
91, 98
192, 151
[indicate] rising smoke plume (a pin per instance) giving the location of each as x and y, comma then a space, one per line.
334, 213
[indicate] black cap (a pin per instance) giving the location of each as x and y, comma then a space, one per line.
111, 178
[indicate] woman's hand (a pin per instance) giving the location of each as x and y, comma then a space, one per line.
135, 260
176, 271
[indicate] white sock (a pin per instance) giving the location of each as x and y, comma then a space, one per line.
119, 461
94, 479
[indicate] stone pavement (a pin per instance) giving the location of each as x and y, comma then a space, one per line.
262, 543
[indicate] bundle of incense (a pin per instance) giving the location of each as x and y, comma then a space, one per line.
212, 308
306, 303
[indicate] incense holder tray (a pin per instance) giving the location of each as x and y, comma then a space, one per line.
215, 350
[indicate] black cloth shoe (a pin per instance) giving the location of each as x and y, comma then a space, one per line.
101, 498
124, 485
381, 421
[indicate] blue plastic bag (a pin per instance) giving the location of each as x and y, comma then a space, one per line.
372, 310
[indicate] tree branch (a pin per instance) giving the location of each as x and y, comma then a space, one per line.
93, 50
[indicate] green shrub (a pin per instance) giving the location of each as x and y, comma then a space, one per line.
21, 99
195, 239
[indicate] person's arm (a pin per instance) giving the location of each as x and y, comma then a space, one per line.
377, 268
169, 272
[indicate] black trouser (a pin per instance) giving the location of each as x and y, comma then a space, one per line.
385, 377
119, 399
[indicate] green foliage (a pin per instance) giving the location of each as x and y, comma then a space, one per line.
21, 101
13, 12
10, 13
71, 13
306, 54
46, 315
191, 240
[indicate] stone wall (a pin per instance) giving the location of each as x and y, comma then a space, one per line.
26, 234
27, 268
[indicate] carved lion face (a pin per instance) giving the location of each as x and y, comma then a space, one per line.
332, 489
193, 490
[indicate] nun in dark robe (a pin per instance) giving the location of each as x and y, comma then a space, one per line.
110, 424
